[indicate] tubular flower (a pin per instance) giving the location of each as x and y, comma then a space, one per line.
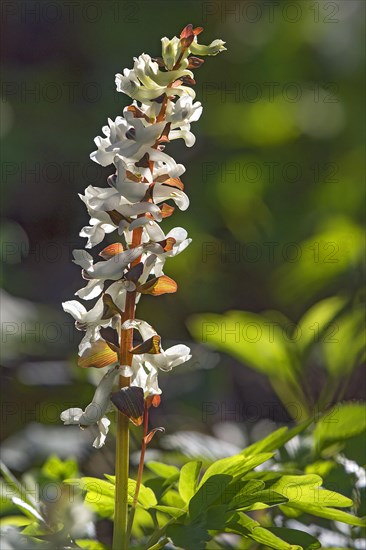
144, 189
95, 411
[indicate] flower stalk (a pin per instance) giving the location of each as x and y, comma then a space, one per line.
133, 205
139, 471
121, 533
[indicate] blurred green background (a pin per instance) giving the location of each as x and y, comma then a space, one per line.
275, 181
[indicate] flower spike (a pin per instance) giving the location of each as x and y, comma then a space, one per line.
146, 188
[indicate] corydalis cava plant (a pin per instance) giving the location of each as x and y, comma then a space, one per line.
133, 205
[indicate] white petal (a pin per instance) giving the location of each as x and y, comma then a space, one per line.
144, 328
178, 233
82, 258
165, 192
91, 290
186, 135
179, 350
117, 291
155, 232
100, 403
113, 268
103, 426
74, 308
71, 416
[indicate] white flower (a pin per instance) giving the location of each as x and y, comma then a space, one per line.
146, 176
183, 111
90, 321
100, 200
148, 73
171, 50
154, 259
111, 269
145, 376
163, 193
165, 360
181, 242
127, 137
145, 82
214, 48
127, 210
135, 191
96, 410
100, 224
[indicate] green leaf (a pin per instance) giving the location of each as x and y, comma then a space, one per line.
328, 513
276, 439
18, 494
320, 467
289, 511
36, 529
170, 510
192, 536
254, 496
253, 530
99, 494
259, 342
304, 489
27, 509
173, 498
339, 423
236, 466
345, 348
17, 521
209, 492
55, 468
162, 470
188, 479
91, 544
313, 325
248, 337
306, 541
146, 497
143, 523
93, 485
216, 517
339, 247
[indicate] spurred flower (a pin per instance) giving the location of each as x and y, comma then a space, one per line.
164, 360
95, 412
145, 188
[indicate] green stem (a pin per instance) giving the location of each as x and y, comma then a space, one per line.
120, 535
160, 544
139, 473
159, 533
120, 539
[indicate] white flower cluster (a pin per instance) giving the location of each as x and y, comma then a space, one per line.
133, 205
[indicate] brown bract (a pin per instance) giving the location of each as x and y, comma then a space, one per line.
130, 402
151, 346
99, 355
111, 250
158, 286
187, 35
